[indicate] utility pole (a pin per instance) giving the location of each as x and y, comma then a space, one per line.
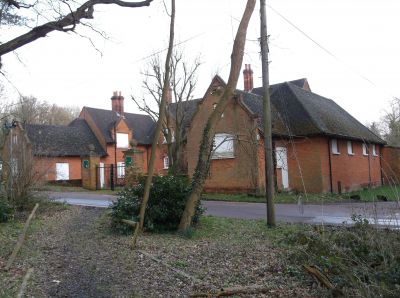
269, 163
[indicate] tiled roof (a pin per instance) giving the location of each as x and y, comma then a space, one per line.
54, 140
299, 112
142, 126
189, 108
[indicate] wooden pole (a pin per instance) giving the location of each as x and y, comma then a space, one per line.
269, 163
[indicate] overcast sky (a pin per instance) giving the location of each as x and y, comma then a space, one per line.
356, 62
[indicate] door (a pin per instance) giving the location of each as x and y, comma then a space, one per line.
62, 171
281, 163
101, 170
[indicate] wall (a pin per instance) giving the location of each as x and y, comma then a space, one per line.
238, 174
45, 167
391, 165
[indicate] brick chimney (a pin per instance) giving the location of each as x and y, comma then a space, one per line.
117, 103
169, 96
248, 78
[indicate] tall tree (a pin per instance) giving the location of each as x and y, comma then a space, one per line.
182, 85
55, 15
391, 123
206, 144
157, 132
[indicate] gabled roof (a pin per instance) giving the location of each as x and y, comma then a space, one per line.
142, 126
300, 83
299, 112
56, 140
189, 108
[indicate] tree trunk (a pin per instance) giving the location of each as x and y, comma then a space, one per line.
159, 121
203, 162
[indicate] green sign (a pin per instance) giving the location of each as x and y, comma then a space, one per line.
128, 160
86, 164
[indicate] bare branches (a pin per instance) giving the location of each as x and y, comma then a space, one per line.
64, 23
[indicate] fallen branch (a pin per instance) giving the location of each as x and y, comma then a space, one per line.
21, 239
235, 291
180, 272
319, 276
25, 283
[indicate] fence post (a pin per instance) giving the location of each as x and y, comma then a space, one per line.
112, 177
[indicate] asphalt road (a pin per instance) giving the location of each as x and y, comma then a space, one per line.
382, 213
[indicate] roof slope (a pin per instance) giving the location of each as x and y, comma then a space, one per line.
142, 126
55, 140
189, 108
299, 112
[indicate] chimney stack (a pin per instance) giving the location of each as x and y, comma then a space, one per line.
248, 78
117, 103
169, 96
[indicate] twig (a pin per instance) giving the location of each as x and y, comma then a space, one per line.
319, 276
21, 239
25, 283
180, 272
234, 291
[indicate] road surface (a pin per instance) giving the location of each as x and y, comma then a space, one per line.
382, 213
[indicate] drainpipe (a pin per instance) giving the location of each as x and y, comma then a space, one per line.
330, 165
380, 163
369, 166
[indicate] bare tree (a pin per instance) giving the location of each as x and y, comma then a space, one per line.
206, 145
183, 82
55, 15
391, 123
30, 110
156, 137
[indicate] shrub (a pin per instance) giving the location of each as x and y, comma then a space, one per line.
165, 207
362, 260
6, 210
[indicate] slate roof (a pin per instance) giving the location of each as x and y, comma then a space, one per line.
189, 108
55, 140
142, 126
298, 112
259, 91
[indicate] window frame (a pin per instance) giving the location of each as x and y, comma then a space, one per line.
374, 150
365, 150
119, 141
120, 169
166, 163
350, 148
333, 149
216, 153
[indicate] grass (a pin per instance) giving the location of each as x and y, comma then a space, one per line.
62, 188
391, 193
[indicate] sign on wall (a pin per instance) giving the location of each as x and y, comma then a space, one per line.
86, 164
128, 160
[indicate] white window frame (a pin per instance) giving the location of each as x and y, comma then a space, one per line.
350, 150
374, 150
166, 162
365, 149
122, 140
120, 169
335, 146
223, 146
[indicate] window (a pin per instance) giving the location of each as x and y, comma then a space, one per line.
62, 171
334, 146
365, 149
167, 131
223, 146
166, 162
350, 148
374, 150
120, 169
122, 140
15, 139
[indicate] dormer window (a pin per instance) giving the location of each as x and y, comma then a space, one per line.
122, 140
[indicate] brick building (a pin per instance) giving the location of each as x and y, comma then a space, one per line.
319, 147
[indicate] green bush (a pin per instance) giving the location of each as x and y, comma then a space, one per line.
6, 210
164, 209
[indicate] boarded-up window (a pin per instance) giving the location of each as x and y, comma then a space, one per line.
223, 146
122, 140
62, 171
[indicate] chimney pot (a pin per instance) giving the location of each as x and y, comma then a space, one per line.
248, 78
117, 103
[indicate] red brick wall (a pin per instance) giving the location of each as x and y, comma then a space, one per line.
391, 165
238, 174
45, 167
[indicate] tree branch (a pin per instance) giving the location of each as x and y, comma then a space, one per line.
65, 24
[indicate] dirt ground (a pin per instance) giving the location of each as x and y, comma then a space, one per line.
74, 254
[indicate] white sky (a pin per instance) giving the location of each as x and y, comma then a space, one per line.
363, 35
